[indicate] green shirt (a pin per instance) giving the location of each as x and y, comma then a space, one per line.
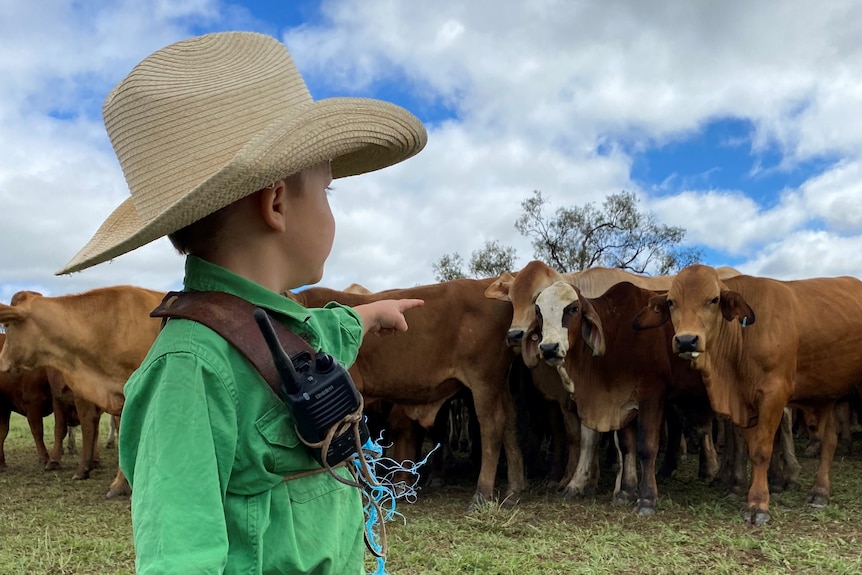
205, 444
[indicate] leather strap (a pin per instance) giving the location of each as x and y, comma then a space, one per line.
233, 318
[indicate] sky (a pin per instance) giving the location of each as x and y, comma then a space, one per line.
736, 120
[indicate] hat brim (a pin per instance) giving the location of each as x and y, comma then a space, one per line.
358, 135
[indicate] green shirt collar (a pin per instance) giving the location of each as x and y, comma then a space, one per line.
202, 275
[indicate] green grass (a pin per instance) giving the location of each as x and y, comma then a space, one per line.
53, 525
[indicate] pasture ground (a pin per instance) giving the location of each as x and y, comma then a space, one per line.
52, 525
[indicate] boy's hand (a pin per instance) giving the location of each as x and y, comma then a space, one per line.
386, 316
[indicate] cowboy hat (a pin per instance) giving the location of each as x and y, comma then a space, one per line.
207, 121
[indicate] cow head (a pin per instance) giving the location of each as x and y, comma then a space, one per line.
20, 331
697, 303
521, 290
565, 316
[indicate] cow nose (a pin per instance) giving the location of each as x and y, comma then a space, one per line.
686, 343
549, 350
514, 337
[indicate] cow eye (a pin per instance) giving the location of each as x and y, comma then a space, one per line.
571, 309
670, 303
714, 300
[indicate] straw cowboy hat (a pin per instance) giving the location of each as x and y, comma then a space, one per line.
207, 121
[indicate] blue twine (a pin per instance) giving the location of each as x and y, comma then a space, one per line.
383, 494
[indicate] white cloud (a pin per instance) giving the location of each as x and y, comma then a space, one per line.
534, 89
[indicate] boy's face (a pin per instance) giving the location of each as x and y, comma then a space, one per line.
311, 229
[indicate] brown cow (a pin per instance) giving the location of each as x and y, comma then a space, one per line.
619, 378
456, 340
804, 349
521, 290
95, 339
29, 393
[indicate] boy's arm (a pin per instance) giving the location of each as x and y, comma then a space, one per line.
178, 441
386, 316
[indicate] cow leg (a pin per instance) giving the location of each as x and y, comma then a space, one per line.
37, 430
784, 468
673, 449
828, 436
759, 440
708, 458
5, 415
112, 432
572, 424
651, 413
626, 441
733, 473
725, 468
70, 440
119, 486
584, 482
496, 415
60, 429
89, 416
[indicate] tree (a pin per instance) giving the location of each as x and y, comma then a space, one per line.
618, 236
489, 261
492, 260
449, 268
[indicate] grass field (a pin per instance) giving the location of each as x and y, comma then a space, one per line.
50, 524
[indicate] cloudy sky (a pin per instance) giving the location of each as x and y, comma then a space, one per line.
737, 120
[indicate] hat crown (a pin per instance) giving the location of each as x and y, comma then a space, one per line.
186, 110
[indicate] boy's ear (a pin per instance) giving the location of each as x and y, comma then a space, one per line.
272, 205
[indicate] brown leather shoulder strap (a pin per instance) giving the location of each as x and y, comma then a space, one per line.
232, 318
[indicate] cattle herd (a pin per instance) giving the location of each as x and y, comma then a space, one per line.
736, 357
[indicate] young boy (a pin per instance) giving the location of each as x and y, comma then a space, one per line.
226, 153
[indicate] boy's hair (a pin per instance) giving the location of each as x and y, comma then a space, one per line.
198, 236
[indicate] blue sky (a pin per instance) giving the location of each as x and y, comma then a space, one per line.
734, 120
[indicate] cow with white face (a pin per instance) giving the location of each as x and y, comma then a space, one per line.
619, 378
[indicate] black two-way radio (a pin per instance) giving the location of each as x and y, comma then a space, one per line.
320, 393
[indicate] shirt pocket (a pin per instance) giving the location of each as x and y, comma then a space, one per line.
288, 455
283, 452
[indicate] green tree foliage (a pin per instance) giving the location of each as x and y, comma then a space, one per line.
490, 261
449, 267
618, 235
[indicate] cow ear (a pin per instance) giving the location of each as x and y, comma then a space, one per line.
653, 315
11, 314
499, 289
591, 328
734, 306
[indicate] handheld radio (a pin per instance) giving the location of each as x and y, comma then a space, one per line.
320, 393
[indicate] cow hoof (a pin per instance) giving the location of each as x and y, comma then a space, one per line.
118, 492
817, 500
510, 501
737, 490
645, 510
82, 474
571, 494
477, 501
52, 466
623, 498
756, 517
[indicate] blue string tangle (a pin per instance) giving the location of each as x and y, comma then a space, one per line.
381, 493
